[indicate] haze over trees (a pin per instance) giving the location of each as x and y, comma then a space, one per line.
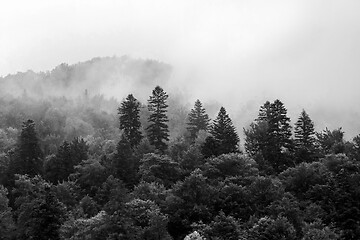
73, 169
198, 120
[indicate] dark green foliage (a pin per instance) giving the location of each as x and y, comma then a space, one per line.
190, 202
39, 213
88, 207
6, 220
305, 138
29, 158
331, 141
230, 165
234, 200
59, 167
197, 120
318, 230
290, 208
131, 190
151, 191
355, 152
340, 198
224, 133
302, 178
210, 148
222, 228
263, 191
158, 131
89, 175
159, 168
273, 138
272, 229
124, 165
130, 120
148, 220
112, 194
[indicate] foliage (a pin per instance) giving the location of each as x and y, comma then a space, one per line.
58, 168
230, 165
224, 134
6, 220
158, 128
96, 184
272, 229
198, 120
270, 136
305, 138
221, 228
159, 168
39, 213
331, 141
30, 157
130, 120
124, 165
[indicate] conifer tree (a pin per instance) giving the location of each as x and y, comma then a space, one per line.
130, 120
224, 134
158, 131
270, 136
304, 137
123, 165
29, 158
198, 120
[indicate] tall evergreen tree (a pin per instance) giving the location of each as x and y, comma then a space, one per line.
224, 134
270, 135
158, 131
124, 165
130, 120
29, 157
304, 138
198, 120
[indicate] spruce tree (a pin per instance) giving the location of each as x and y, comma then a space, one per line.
29, 159
304, 138
130, 120
158, 131
123, 165
198, 120
224, 133
273, 138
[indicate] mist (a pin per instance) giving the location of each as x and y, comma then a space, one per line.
236, 54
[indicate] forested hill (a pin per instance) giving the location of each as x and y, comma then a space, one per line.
77, 165
112, 76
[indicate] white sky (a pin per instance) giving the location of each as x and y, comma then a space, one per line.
304, 52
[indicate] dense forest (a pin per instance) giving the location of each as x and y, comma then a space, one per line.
90, 167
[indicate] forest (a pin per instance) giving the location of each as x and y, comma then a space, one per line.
91, 167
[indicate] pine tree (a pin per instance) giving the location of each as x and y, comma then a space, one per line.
123, 165
130, 120
158, 131
29, 159
271, 135
304, 138
224, 133
198, 120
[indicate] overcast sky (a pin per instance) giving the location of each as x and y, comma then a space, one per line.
305, 52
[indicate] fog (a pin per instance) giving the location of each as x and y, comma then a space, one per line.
232, 53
